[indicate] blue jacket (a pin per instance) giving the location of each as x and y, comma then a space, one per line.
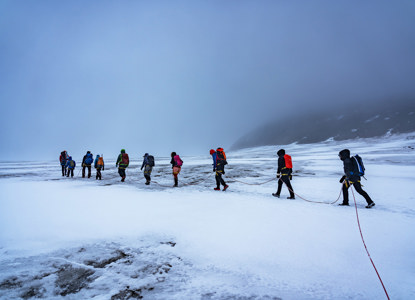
96, 162
214, 157
68, 163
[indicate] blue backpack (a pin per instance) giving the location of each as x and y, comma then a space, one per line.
89, 159
360, 166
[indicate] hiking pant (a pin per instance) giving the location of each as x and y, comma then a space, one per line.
147, 172
70, 171
176, 171
63, 170
98, 174
358, 187
285, 179
83, 170
219, 179
121, 171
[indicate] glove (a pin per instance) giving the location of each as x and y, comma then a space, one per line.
291, 177
278, 175
223, 172
141, 168
342, 179
214, 170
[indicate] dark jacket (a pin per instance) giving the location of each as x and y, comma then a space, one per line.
281, 164
146, 161
350, 167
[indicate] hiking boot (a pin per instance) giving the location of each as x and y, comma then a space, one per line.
225, 187
122, 179
344, 204
147, 183
275, 195
217, 189
291, 197
370, 205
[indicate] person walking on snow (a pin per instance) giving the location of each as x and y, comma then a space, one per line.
219, 162
148, 164
63, 158
86, 163
351, 177
176, 165
122, 163
284, 173
98, 165
70, 164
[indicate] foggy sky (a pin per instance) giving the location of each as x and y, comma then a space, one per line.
187, 76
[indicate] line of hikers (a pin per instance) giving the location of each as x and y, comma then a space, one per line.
352, 165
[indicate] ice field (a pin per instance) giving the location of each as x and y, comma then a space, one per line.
86, 239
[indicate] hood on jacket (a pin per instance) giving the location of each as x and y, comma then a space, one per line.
345, 153
281, 152
122, 150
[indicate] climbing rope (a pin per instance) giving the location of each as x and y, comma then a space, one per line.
261, 183
312, 201
367, 251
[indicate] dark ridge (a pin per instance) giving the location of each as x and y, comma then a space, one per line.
346, 123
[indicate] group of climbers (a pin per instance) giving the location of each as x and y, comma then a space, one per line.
353, 170
67, 163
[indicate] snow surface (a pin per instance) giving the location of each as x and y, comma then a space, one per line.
86, 239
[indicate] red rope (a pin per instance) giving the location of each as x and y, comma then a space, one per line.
363, 240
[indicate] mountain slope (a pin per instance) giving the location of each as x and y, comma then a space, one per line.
359, 122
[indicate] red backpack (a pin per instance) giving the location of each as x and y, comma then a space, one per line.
220, 155
125, 160
288, 161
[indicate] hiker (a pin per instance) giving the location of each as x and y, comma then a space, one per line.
284, 173
148, 164
176, 164
70, 164
86, 163
98, 165
122, 163
351, 177
219, 162
63, 158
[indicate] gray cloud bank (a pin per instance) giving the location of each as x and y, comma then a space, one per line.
186, 76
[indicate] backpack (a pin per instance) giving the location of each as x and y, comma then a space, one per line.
178, 161
89, 159
100, 161
125, 160
221, 156
150, 160
288, 161
71, 163
360, 165
63, 157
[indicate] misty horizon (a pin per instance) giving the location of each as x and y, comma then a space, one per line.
188, 76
